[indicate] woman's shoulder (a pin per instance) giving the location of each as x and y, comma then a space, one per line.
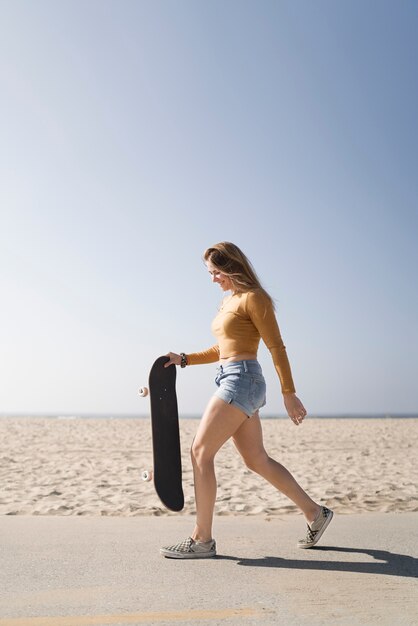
258, 298
257, 294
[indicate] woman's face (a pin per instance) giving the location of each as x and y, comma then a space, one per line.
217, 277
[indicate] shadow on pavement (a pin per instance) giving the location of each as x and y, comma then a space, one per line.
393, 564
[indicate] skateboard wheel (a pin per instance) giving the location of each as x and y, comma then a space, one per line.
146, 476
143, 391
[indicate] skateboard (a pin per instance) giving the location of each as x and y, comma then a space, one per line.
165, 435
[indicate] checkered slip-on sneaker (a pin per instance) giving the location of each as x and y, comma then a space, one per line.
316, 529
190, 549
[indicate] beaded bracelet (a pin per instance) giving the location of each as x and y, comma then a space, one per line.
183, 359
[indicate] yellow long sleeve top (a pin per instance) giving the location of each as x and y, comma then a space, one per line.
242, 321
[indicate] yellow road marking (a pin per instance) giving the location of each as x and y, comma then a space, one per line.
128, 618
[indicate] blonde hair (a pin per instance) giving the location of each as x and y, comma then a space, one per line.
231, 261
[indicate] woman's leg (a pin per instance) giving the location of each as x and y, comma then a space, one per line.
219, 422
248, 440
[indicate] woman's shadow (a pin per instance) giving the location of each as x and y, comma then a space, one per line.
388, 563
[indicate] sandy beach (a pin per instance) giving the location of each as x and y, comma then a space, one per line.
80, 531
93, 467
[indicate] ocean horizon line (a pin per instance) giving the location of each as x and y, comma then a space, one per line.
114, 415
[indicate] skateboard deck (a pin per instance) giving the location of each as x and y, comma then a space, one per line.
165, 434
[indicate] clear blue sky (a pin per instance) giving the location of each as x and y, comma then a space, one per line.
135, 134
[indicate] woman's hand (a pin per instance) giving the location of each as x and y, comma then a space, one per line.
294, 408
175, 359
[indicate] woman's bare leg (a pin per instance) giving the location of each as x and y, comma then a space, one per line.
219, 422
248, 440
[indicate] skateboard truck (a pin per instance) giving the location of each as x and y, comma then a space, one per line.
146, 475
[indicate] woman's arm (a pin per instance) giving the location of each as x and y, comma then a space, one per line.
261, 312
211, 355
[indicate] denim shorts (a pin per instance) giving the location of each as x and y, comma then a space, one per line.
242, 384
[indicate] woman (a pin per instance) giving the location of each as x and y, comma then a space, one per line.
244, 317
